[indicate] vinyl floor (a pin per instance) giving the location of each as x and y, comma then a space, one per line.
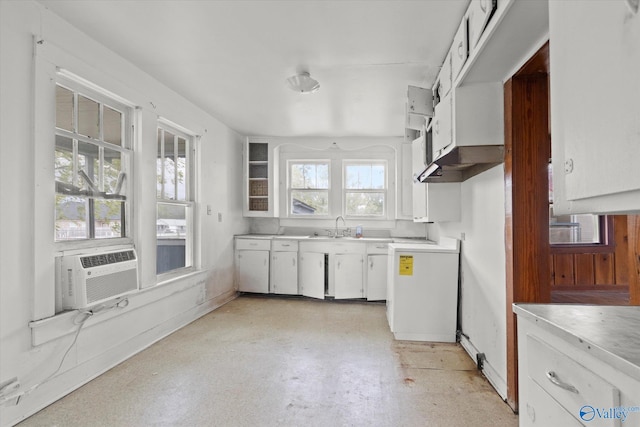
286, 362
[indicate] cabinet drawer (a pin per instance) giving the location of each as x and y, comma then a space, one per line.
543, 411
284, 245
255, 244
377, 248
572, 385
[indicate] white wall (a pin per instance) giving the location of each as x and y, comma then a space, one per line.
483, 273
26, 210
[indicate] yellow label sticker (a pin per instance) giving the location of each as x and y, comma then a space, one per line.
406, 265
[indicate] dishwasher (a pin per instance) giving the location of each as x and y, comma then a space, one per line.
422, 291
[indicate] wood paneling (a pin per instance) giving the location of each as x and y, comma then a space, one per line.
527, 152
633, 229
594, 264
604, 269
563, 270
621, 250
584, 269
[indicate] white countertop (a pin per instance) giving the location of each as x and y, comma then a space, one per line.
610, 333
410, 240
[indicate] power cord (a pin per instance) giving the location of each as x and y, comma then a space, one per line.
80, 319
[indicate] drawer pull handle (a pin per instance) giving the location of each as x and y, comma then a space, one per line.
554, 379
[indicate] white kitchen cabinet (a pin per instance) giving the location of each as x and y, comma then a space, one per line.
595, 133
405, 203
472, 115
437, 202
478, 14
312, 274
258, 179
442, 125
459, 49
284, 267
377, 275
574, 361
348, 277
252, 265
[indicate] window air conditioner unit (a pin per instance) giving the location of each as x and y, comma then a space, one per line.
92, 279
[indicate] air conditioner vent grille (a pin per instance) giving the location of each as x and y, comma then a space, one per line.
105, 259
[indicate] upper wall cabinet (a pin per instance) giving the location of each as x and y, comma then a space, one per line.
479, 13
258, 183
595, 105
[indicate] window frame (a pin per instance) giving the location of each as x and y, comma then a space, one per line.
80, 87
189, 203
607, 240
385, 190
290, 189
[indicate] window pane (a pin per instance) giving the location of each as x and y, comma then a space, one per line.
364, 176
159, 164
89, 162
365, 204
181, 170
64, 160
310, 202
172, 234
310, 175
113, 175
577, 229
71, 218
64, 109
169, 167
108, 218
112, 126
88, 117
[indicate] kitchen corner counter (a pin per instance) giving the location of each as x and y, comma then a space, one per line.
609, 333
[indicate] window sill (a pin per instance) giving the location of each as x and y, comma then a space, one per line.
61, 324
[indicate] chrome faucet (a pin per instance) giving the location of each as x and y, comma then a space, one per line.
343, 223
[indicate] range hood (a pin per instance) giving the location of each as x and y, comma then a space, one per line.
458, 164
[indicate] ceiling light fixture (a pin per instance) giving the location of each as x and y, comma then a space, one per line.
303, 83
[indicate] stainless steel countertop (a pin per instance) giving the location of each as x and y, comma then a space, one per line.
609, 333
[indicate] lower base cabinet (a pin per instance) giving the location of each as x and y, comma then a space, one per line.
252, 265
377, 277
312, 274
252, 271
348, 281
572, 369
284, 267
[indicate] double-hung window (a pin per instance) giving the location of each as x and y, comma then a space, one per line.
365, 188
309, 186
93, 155
175, 199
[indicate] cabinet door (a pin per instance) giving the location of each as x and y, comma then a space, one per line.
459, 49
442, 126
479, 14
284, 273
348, 276
595, 133
377, 277
312, 274
252, 269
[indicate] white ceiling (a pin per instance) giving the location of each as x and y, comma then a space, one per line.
231, 58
